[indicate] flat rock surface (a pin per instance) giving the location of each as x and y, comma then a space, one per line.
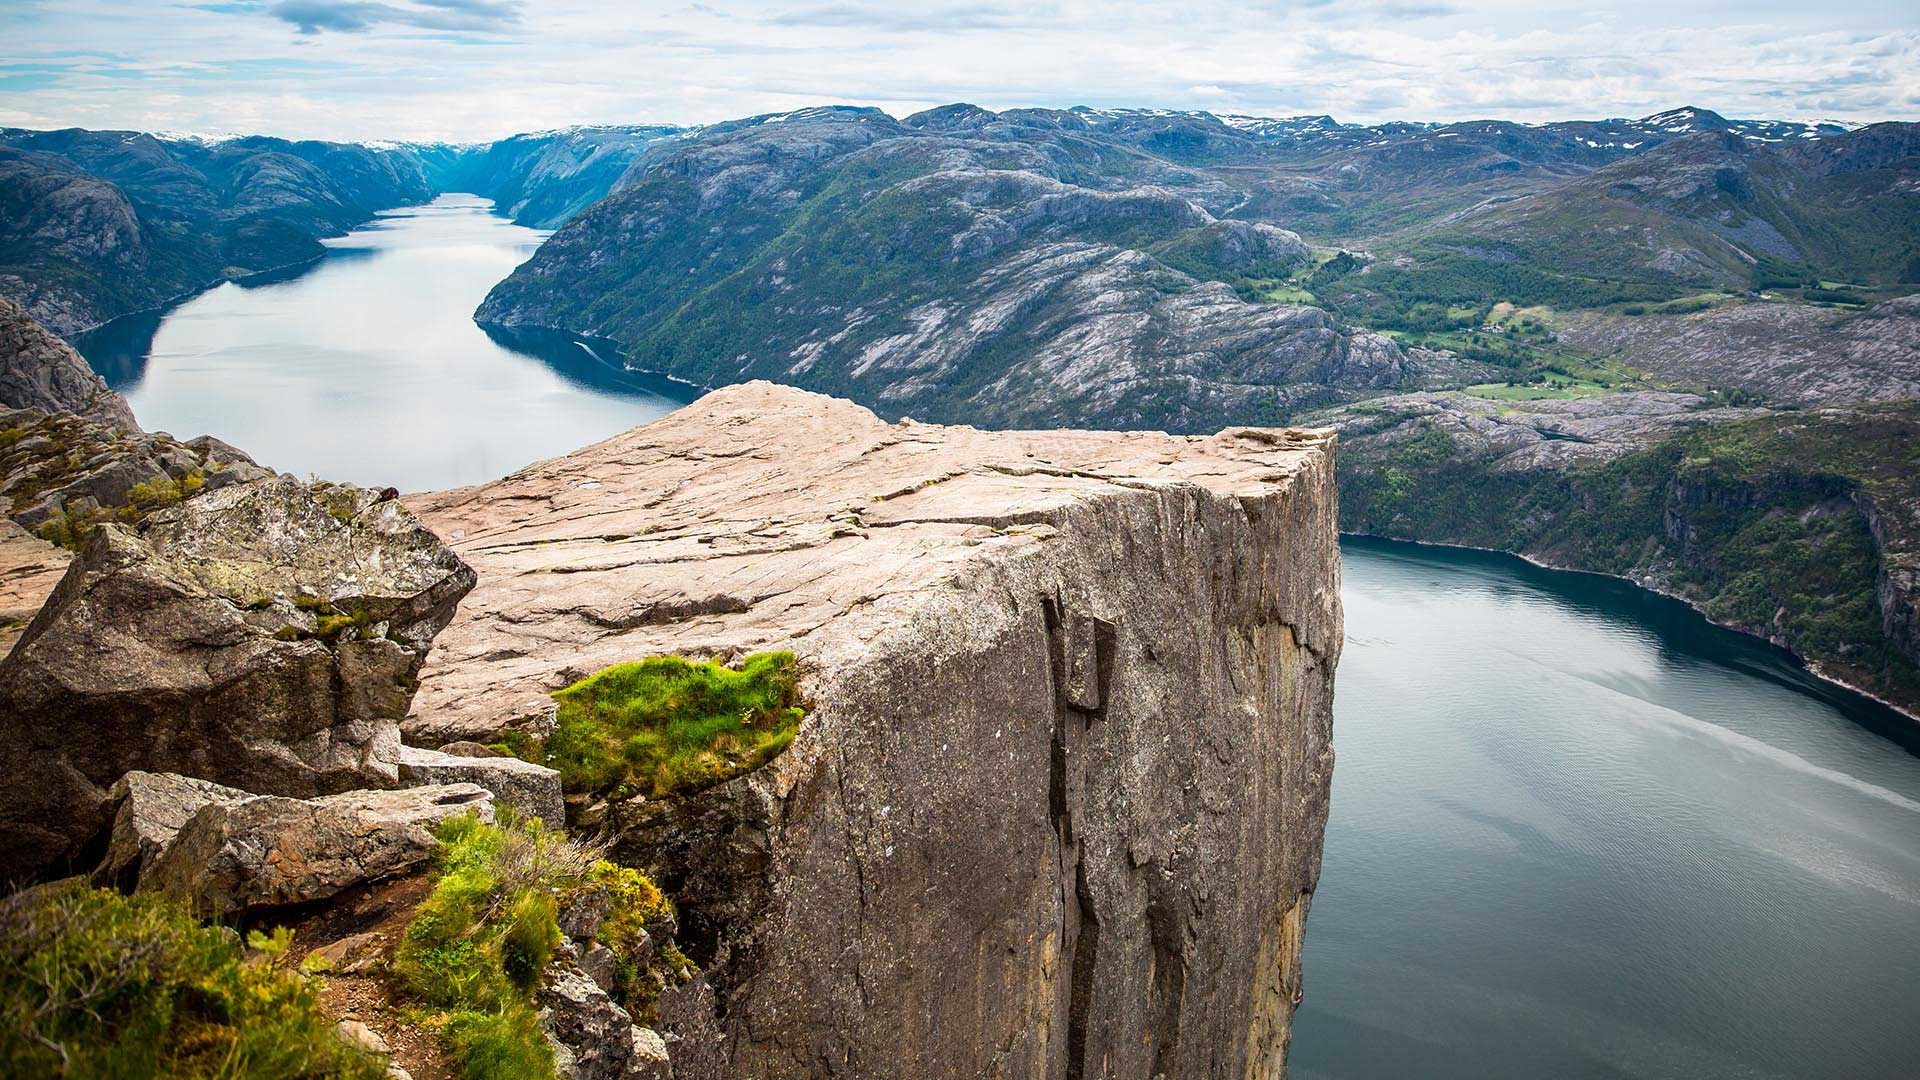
752, 519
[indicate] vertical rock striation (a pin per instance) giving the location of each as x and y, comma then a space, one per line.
1057, 808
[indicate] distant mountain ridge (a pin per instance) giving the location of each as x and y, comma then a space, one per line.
1039, 266
99, 224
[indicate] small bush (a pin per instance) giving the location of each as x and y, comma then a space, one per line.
666, 724
96, 984
478, 944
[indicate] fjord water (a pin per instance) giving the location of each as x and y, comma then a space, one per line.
1576, 831
1579, 832
366, 366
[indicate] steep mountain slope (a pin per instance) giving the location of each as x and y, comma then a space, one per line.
97, 224
1015, 268
39, 371
1706, 210
543, 178
1799, 526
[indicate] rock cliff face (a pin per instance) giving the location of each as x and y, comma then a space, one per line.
39, 371
1056, 810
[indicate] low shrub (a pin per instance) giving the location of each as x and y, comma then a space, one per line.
96, 984
477, 946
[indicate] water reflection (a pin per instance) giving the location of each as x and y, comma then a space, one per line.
1579, 832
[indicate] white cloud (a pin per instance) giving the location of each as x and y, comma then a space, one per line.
471, 69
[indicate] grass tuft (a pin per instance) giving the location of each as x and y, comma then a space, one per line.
480, 942
664, 725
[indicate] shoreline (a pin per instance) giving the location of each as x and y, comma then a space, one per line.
239, 279
1810, 666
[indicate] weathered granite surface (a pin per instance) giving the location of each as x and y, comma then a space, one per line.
29, 569
1057, 809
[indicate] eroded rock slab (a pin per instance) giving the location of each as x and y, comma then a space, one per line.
528, 789
1065, 776
234, 857
149, 810
265, 636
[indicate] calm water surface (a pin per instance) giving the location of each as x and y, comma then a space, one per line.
1579, 832
367, 365
1576, 831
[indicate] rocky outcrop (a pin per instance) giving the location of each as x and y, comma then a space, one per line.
61, 474
233, 857
1065, 773
265, 636
593, 1038
39, 371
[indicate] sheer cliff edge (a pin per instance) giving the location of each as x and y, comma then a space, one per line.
1057, 805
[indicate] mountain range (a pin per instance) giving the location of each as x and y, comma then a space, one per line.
1681, 348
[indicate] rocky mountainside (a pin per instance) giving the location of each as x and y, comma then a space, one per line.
97, 224
1702, 210
1146, 268
1065, 764
1801, 526
1801, 354
543, 178
1016, 268
40, 371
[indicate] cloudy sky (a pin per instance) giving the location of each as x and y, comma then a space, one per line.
475, 69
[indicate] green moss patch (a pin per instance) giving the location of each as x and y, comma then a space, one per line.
93, 983
665, 725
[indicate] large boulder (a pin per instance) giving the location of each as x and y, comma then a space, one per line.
60, 475
266, 636
232, 858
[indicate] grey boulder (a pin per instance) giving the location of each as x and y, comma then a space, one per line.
236, 858
149, 810
266, 636
528, 789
